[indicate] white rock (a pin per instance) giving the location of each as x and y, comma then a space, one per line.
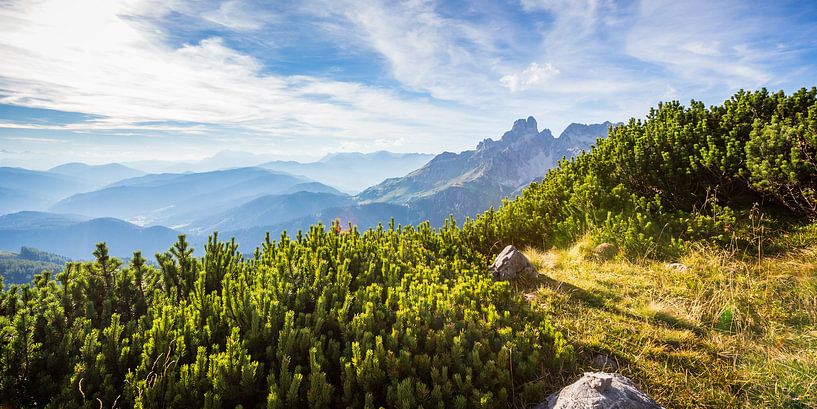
600, 390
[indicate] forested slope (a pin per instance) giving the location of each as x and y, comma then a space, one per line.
683, 174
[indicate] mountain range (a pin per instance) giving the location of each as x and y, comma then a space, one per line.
176, 199
353, 172
470, 182
78, 205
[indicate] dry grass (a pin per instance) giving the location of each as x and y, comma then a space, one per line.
724, 332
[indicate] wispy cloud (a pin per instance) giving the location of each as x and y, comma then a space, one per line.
425, 75
529, 77
238, 15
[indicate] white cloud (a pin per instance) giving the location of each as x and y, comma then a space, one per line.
238, 15
96, 57
714, 46
529, 77
435, 68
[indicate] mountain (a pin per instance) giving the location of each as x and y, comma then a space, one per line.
38, 220
269, 210
470, 182
354, 171
96, 175
179, 198
221, 160
23, 189
363, 216
20, 268
57, 234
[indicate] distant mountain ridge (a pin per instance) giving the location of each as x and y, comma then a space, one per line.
470, 182
354, 171
24, 189
179, 198
97, 175
76, 238
245, 202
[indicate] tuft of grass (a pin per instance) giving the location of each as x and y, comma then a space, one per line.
728, 331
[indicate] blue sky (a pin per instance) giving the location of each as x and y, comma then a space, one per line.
102, 80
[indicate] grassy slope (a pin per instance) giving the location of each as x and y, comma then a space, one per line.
730, 331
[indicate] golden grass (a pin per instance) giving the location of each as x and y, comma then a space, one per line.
725, 332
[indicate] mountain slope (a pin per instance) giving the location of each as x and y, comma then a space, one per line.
27, 220
269, 210
77, 240
177, 199
20, 268
470, 182
363, 216
97, 175
23, 189
353, 171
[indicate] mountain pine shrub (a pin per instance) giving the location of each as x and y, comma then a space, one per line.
683, 174
392, 317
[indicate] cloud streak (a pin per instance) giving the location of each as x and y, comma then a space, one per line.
429, 76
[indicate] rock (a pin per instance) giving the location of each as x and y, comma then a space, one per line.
677, 267
604, 251
600, 390
512, 265
602, 361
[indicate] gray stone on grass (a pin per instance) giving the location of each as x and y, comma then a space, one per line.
604, 252
600, 390
512, 265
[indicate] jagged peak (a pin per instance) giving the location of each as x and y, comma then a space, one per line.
522, 125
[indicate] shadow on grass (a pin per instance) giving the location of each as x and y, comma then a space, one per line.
677, 323
576, 293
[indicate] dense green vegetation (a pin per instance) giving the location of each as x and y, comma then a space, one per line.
408, 316
682, 175
21, 268
397, 317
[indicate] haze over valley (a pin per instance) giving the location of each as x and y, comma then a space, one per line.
66, 210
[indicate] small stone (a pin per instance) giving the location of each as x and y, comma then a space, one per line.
604, 252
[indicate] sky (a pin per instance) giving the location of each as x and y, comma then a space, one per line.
103, 81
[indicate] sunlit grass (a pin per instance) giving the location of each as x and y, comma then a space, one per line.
727, 331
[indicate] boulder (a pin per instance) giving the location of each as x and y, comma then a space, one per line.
600, 390
512, 265
604, 252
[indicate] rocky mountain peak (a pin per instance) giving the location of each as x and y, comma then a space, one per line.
525, 125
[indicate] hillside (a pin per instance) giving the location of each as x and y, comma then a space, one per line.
470, 182
96, 175
354, 171
23, 189
179, 198
21, 267
270, 210
680, 251
684, 174
76, 237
